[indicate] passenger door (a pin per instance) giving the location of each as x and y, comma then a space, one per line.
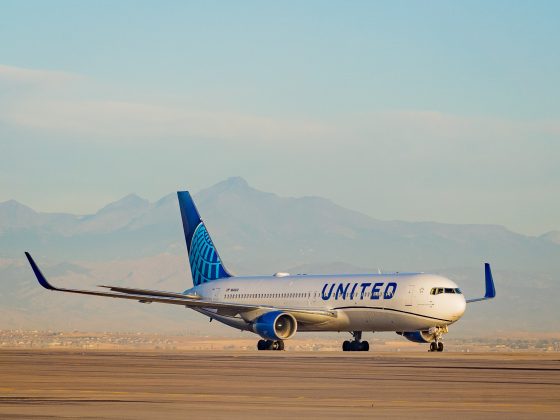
410, 295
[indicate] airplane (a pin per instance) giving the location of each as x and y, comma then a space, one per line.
418, 306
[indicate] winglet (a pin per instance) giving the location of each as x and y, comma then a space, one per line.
490, 289
42, 280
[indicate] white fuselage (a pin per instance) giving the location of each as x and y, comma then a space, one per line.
368, 302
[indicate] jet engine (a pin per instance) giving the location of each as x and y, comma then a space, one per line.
418, 336
275, 325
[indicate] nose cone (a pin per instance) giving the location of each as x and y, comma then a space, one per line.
458, 307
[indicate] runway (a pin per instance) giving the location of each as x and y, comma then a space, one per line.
146, 385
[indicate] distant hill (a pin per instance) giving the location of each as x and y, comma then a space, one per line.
260, 232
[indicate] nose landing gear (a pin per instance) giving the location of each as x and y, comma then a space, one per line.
356, 344
436, 346
437, 333
270, 345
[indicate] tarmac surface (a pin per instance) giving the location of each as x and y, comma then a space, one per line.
220, 384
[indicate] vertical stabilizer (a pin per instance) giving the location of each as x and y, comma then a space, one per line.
204, 260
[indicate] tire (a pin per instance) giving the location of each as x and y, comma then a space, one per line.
280, 345
440, 346
261, 345
346, 346
364, 346
433, 346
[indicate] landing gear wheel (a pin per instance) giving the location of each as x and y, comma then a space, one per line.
433, 346
270, 345
356, 344
440, 346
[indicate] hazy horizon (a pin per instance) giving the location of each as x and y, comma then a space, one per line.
229, 179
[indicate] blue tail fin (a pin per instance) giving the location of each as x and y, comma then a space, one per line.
205, 262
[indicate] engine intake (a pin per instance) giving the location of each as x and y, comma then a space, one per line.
275, 325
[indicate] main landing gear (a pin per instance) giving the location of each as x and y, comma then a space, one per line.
270, 345
356, 344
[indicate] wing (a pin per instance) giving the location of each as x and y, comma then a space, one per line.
190, 301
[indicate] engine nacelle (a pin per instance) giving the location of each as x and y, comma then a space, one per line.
418, 336
275, 325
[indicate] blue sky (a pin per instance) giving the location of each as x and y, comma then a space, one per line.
402, 110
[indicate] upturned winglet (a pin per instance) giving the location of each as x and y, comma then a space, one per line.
489, 282
40, 277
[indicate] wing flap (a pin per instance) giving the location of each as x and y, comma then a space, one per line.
149, 292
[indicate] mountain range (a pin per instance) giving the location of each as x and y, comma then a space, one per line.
139, 243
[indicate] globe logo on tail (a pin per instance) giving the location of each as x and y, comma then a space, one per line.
204, 260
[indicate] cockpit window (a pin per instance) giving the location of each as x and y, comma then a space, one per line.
439, 290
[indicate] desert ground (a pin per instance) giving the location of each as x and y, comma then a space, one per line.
106, 384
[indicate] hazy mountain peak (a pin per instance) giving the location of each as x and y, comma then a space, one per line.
13, 214
14, 205
128, 202
235, 186
234, 182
